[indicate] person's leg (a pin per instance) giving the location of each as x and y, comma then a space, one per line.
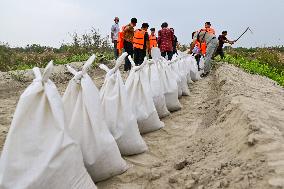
142, 55
222, 54
170, 55
163, 54
209, 53
115, 49
128, 47
136, 56
197, 58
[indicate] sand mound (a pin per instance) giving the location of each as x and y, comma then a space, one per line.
229, 134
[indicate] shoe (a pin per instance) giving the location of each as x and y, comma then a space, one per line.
204, 74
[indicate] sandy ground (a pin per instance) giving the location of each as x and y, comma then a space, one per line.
229, 134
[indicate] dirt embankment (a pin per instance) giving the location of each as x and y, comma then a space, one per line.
229, 134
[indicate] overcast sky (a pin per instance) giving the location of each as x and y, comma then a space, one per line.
50, 22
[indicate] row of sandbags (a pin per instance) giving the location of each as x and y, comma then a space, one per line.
55, 142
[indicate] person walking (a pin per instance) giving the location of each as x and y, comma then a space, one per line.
128, 33
211, 42
165, 41
175, 42
152, 41
222, 40
140, 43
114, 36
197, 52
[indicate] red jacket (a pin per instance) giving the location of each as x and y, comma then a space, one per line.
165, 39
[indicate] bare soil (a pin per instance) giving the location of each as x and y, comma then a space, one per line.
229, 134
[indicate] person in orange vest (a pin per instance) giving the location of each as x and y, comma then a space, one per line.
120, 40
211, 41
208, 28
152, 41
197, 52
140, 43
128, 33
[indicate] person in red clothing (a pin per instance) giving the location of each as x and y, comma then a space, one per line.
165, 41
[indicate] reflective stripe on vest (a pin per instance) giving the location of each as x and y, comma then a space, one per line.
153, 41
138, 39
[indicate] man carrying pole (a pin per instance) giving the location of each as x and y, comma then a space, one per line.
222, 40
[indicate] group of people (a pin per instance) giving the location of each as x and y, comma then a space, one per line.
137, 42
207, 45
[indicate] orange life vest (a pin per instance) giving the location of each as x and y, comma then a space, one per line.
120, 39
153, 41
203, 44
138, 39
202, 47
210, 30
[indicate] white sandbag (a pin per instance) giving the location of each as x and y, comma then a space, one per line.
155, 53
194, 74
118, 114
170, 86
84, 117
156, 89
38, 153
177, 76
182, 78
140, 97
201, 65
183, 69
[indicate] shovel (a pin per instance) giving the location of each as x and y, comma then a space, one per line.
248, 29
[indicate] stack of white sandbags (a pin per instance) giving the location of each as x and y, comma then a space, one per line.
156, 87
175, 65
118, 112
140, 97
38, 153
201, 65
85, 122
170, 85
194, 73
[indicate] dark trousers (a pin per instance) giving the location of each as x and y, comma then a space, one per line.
115, 49
139, 55
169, 53
197, 58
219, 52
128, 47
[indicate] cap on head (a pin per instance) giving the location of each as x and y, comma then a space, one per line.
145, 25
134, 20
224, 32
164, 25
116, 19
152, 29
208, 23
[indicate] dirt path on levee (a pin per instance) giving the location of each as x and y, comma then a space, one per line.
229, 134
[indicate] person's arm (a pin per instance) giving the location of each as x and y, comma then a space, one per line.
126, 29
173, 38
147, 42
192, 45
159, 39
112, 33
